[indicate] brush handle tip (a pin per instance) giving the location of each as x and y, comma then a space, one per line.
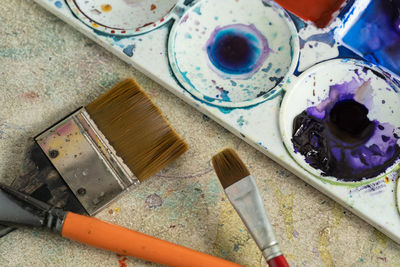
279, 261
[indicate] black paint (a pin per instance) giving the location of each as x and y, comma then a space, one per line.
349, 122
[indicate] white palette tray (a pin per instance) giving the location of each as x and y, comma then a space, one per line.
254, 117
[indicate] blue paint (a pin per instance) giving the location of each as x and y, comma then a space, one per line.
237, 49
241, 121
277, 80
58, 4
184, 75
223, 94
326, 37
267, 68
197, 10
129, 50
208, 99
376, 34
225, 110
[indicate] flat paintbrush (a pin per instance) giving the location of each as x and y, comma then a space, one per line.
118, 140
91, 157
241, 190
100, 151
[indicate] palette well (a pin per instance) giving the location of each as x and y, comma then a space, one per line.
340, 121
123, 17
259, 120
263, 50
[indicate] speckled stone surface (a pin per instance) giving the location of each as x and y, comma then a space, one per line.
47, 69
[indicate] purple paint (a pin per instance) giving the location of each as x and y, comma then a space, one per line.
338, 138
237, 50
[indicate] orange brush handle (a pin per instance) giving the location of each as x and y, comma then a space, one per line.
124, 241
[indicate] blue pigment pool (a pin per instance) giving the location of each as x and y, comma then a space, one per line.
237, 50
376, 34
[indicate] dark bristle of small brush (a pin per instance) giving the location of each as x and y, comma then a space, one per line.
136, 128
229, 167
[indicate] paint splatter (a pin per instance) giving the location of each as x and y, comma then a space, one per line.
223, 94
237, 50
323, 248
337, 137
129, 50
122, 260
153, 7
106, 8
30, 96
58, 4
241, 245
153, 201
241, 121
286, 209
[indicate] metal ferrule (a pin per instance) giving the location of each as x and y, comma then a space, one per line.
246, 200
55, 219
86, 161
20, 209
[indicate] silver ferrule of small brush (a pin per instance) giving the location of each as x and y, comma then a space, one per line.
246, 200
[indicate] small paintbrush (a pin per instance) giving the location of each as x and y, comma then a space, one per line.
241, 190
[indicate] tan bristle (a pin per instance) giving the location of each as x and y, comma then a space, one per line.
229, 167
136, 129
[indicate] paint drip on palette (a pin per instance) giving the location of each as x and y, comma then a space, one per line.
237, 50
337, 137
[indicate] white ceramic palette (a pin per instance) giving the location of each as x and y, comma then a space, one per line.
254, 117
122, 17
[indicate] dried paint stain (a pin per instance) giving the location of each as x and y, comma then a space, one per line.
153, 201
30, 96
122, 260
58, 4
106, 8
129, 50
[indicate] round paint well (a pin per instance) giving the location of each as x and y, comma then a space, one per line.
340, 121
122, 17
233, 53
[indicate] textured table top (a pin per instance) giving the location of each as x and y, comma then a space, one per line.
47, 70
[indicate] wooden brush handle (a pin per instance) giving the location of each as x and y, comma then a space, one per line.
124, 241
